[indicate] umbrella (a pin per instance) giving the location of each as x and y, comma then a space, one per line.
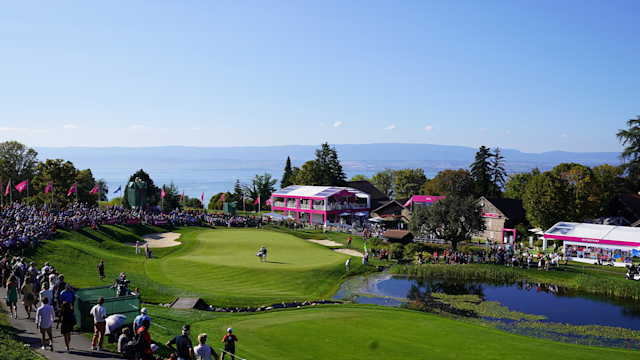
289, 217
375, 219
345, 214
360, 214
114, 322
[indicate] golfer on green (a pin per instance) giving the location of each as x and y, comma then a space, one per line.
229, 341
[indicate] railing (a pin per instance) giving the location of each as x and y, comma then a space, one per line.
305, 206
278, 204
318, 207
359, 206
291, 205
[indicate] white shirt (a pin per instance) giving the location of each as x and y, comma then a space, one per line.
99, 313
202, 352
45, 316
46, 294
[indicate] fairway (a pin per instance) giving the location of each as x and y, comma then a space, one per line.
223, 263
369, 332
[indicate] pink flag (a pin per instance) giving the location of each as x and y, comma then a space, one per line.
23, 185
408, 202
94, 190
222, 198
72, 190
257, 201
8, 188
162, 193
182, 197
202, 198
48, 188
268, 202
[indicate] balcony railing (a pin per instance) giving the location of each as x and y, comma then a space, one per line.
305, 206
278, 204
291, 205
318, 207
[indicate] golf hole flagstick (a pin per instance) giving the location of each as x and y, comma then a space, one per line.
228, 353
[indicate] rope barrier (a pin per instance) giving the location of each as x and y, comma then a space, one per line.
232, 354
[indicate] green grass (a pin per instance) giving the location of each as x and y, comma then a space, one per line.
218, 265
363, 332
11, 345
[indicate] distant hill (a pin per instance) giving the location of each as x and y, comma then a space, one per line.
355, 157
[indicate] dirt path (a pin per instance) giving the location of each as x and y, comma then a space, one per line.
159, 240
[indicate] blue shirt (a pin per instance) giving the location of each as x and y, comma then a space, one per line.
67, 296
137, 322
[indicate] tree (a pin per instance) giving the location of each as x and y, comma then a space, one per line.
453, 219
385, 181
215, 204
359, 177
408, 182
451, 183
608, 181
104, 189
630, 138
261, 186
481, 172
309, 174
546, 200
86, 183
17, 163
497, 173
516, 184
171, 197
286, 176
153, 192
238, 193
63, 173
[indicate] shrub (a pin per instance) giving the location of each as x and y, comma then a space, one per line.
396, 250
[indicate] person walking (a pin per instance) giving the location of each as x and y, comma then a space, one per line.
67, 318
45, 293
5, 270
146, 249
99, 315
346, 264
29, 293
203, 351
101, 270
184, 348
349, 241
45, 315
13, 295
137, 247
229, 341
137, 322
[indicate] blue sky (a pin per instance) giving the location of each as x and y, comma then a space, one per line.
528, 75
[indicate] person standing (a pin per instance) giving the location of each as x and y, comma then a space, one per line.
29, 296
45, 315
99, 315
13, 295
67, 319
229, 342
137, 247
184, 348
137, 322
58, 287
146, 249
5, 269
146, 353
204, 351
101, 270
346, 264
349, 241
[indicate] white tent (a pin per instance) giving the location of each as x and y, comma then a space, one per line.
273, 215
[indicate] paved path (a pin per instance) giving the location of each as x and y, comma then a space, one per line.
80, 345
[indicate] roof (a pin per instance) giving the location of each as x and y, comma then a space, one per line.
317, 191
594, 231
368, 188
396, 234
510, 208
384, 204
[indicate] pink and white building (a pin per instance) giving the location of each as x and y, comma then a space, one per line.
588, 242
321, 203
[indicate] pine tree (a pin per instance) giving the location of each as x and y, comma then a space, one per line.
497, 173
481, 171
286, 177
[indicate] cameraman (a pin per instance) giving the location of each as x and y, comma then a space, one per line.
121, 285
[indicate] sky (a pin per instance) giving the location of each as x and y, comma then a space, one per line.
528, 75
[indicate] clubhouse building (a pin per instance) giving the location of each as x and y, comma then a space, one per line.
322, 203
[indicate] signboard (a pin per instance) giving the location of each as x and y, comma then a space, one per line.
132, 221
111, 221
76, 225
161, 222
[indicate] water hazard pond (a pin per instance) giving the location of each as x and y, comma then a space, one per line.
538, 310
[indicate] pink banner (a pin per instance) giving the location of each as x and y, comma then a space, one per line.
110, 221
77, 226
161, 222
592, 241
132, 221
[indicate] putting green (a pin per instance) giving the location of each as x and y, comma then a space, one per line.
223, 263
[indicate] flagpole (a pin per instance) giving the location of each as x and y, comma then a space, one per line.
10, 193
76, 184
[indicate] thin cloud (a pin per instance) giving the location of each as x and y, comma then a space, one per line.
389, 127
464, 131
198, 128
140, 127
224, 128
508, 132
337, 124
321, 124
481, 130
71, 127
429, 128
564, 136
21, 130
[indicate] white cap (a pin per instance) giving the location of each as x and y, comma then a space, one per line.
154, 347
143, 310
229, 330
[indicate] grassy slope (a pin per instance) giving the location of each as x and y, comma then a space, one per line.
218, 272
364, 332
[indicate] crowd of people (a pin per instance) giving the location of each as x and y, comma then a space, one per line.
501, 255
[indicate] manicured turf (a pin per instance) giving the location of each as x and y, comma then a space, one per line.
367, 332
223, 263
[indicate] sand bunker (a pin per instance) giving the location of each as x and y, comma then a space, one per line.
349, 252
325, 242
159, 240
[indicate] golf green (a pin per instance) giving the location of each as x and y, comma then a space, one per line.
223, 263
